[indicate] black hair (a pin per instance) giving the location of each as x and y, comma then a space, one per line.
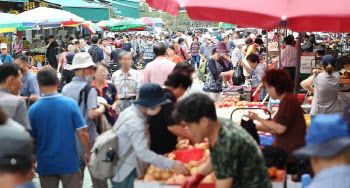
171, 46
69, 43
190, 33
307, 36
51, 37
193, 108
184, 66
159, 49
320, 52
167, 36
150, 37
250, 127
22, 57
7, 70
248, 41
274, 156
259, 41
24, 38
288, 40
47, 77
76, 42
95, 39
180, 40
253, 58
179, 79
101, 64
259, 36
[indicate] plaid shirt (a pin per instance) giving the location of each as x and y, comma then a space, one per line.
127, 84
148, 51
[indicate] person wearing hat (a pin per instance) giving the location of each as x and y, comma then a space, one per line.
325, 86
16, 163
56, 122
107, 50
4, 57
133, 133
67, 74
206, 48
328, 149
216, 71
52, 51
30, 89
115, 53
81, 90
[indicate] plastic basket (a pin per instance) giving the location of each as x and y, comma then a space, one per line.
301, 98
266, 140
187, 155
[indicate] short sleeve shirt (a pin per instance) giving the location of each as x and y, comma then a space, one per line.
99, 52
30, 85
162, 140
127, 46
236, 155
115, 56
148, 51
257, 74
291, 115
6, 58
54, 120
108, 92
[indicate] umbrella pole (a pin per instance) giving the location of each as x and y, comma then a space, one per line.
297, 70
42, 34
279, 47
267, 48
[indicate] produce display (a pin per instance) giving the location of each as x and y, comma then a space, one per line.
188, 154
276, 175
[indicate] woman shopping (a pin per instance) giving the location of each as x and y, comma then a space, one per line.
257, 71
194, 49
171, 54
105, 90
288, 124
325, 86
216, 71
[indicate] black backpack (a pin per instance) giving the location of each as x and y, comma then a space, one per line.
94, 55
86, 91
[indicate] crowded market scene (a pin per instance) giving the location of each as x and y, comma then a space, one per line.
174, 94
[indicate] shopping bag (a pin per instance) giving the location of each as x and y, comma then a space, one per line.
238, 77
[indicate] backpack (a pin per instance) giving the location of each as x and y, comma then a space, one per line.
94, 55
202, 71
85, 90
104, 154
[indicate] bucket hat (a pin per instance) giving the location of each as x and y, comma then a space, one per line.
150, 96
328, 135
220, 47
82, 60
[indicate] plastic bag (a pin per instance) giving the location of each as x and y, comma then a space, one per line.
238, 77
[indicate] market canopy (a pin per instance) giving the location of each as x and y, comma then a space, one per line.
266, 14
146, 20
157, 21
127, 25
107, 23
13, 21
44, 14
88, 11
126, 8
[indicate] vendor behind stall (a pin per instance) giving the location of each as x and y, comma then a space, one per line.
257, 70
236, 158
289, 123
52, 51
30, 90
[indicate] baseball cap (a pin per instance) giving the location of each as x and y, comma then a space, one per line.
328, 135
82, 60
69, 57
3, 45
150, 96
328, 59
15, 148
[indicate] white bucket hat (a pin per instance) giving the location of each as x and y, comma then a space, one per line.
81, 61
3, 45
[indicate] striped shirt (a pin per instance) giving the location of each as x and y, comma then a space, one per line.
195, 49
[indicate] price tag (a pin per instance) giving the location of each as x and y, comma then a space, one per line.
305, 64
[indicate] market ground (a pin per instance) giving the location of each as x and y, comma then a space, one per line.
343, 100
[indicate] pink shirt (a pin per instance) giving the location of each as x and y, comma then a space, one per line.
158, 70
289, 56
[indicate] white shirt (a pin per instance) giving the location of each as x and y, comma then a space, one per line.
127, 84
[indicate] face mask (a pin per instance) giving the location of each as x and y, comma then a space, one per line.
208, 42
89, 78
149, 42
222, 54
153, 112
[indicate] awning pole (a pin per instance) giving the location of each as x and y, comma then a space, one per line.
297, 70
279, 47
267, 48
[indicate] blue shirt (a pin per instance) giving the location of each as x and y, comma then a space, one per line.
168, 42
30, 85
219, 38
6, 58
55, 119
337, 176
230, 45
148, 51
99, 52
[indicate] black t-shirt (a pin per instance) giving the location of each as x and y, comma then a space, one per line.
127, 46
162, 140
115, 56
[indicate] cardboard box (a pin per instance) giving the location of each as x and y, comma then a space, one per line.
345, 73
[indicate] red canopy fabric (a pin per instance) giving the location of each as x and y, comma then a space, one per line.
301, 15
70, 22
147, 21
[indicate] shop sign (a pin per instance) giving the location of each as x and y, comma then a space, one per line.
305, 64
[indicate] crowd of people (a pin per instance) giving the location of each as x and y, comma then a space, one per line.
101, 89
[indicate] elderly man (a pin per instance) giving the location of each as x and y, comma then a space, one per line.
30, 90
10, 85
206, 49
82, 45
127, 80
229, 43
328, 148
4, 57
